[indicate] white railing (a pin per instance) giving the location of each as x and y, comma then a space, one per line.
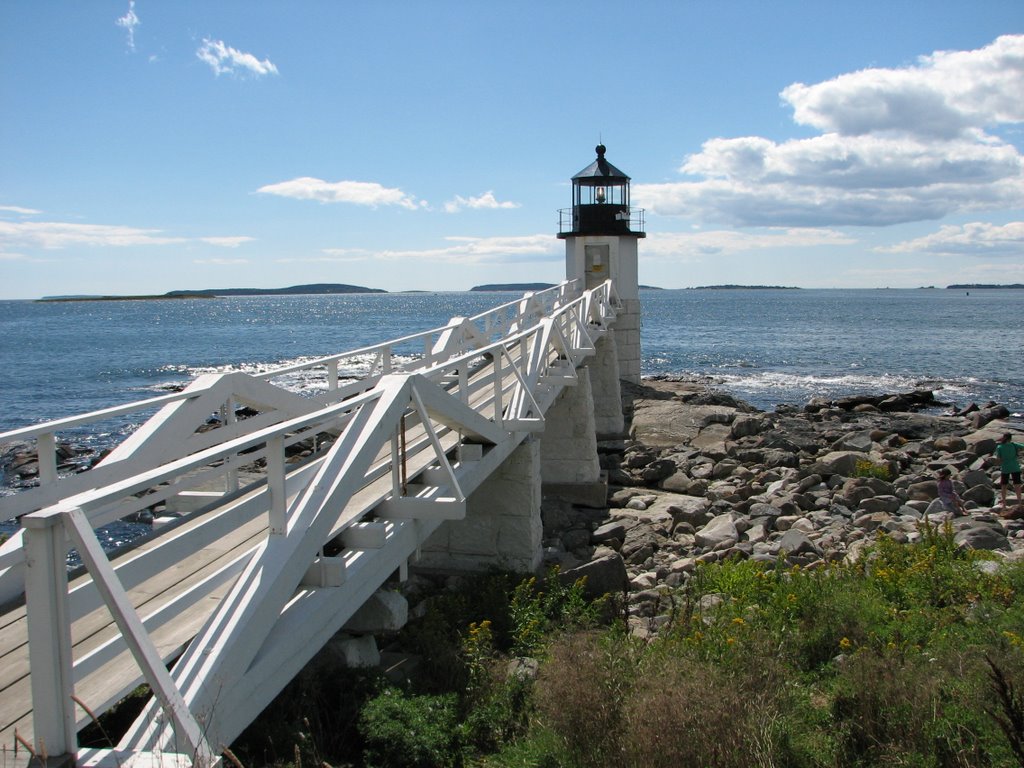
405, 354
398, 455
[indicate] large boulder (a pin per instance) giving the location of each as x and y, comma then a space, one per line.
605, 573
980, 535
718, 533
836, 463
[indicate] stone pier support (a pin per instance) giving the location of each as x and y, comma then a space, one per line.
502, 526
604, 383
569, 464
568, 445
627, 340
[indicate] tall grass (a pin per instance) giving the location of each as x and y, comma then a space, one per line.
886, 662
911, 656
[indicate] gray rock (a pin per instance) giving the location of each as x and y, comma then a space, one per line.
609, 532
981, 418
657, 470
576, 538
856, 441
973, 477
950, 444
982, 536
982, 495
711, 440
880, 504
760, 509
603, 575
747, 425
690, 486
721, 529
794, 542
837, 463
640, 543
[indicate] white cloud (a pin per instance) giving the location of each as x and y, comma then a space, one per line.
129, 21
691, 246
221, 262
355, 192
19, 210
465, 250
486, 200
944, 96
56, 234
898, 145
223, 59
974, 239
332, 256
59, 234
227, 242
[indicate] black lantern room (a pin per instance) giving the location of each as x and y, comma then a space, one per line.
600, 202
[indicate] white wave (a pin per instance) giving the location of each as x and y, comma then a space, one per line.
776, 380
307, 380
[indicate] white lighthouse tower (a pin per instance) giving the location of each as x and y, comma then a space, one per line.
601, 233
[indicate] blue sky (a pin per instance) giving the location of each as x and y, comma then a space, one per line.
151, 146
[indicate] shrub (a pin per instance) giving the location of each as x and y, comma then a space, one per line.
404, 731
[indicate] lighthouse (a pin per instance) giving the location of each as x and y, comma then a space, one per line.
601, 233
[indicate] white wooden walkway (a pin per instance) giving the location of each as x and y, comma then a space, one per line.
239, 594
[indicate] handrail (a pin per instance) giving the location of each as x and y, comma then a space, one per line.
465, 390
490, 320
93, 498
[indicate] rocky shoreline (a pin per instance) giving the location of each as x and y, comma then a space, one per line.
704, 477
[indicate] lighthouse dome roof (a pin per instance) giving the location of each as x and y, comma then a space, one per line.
600, 171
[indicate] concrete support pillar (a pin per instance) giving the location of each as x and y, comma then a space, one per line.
627, 340
604, 383
571, 469
568, 446
502, 526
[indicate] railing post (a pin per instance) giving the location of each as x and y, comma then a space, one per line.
499, 406
49, 635
278, 521
46, 455
230, 461
332, 375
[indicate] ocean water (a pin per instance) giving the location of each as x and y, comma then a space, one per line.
786, 346
765, 346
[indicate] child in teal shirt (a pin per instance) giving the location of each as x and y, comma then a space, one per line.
1009, 470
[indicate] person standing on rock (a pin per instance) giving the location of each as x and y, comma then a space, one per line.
951, 502
1009, 470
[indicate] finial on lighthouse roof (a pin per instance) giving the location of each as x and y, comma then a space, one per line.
600, 172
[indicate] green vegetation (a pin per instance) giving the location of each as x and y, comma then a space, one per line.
912, 656
866, 468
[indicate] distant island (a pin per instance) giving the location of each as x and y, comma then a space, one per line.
982, 286
746, 287
313, 289
512, 287
295, 290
